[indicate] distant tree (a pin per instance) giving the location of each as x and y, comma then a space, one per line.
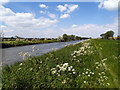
65, 37
42, 38
12, 37
78, 38
16, 36
107, 34
49, 39
90, 38
102, 35
72, 37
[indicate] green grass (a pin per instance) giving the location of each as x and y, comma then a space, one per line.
94, 65
6, 44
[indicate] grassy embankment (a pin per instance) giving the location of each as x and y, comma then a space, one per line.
6, 44
89, 64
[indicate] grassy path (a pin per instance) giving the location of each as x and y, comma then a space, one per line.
111, 72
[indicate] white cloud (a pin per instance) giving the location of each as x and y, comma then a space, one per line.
26, 25
109, 4
43, 6
67, 8
74, 25
43, 12
71, 8
61, 8
64, 16
5, 11
23, 23
4, 1
91, 30
51, 15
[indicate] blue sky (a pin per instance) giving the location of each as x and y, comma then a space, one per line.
78, 18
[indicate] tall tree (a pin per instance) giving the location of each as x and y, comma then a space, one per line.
107, 34
65, 37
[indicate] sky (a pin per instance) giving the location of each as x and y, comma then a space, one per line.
53, 19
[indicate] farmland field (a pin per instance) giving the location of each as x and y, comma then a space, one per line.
88, 64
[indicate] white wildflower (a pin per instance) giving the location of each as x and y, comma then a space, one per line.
31, 69
19, 69
108, 84
65, 65
53, 72
33, 47
64, 81
73, 72
73, 69
69, 68
96, 67
86, 72
21, 64
20, 53
62, 69
58, 66
84, 81
40, 61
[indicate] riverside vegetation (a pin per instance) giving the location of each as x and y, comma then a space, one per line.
6, 44
12, 42
88, 64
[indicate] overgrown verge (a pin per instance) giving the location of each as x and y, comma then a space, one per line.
89, 64
6, 44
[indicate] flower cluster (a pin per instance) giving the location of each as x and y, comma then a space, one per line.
87, 73
63, 68
54, 49
102, 77
86, 49
86, 78
101, 64
25, 55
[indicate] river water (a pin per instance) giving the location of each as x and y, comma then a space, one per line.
11, 55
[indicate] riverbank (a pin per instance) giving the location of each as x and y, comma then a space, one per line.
88, 64
7, 44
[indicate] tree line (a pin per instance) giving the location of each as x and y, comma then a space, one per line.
66, 37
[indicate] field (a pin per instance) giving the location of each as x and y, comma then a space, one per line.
89, 64
6, 44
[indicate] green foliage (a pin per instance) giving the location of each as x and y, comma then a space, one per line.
65, 37
6, 44
72, 37
89, 64
107, 34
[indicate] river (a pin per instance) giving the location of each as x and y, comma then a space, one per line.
11, 55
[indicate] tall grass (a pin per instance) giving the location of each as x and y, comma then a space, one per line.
89, 64
6, 44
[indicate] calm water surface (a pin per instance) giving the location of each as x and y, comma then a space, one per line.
11, 55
